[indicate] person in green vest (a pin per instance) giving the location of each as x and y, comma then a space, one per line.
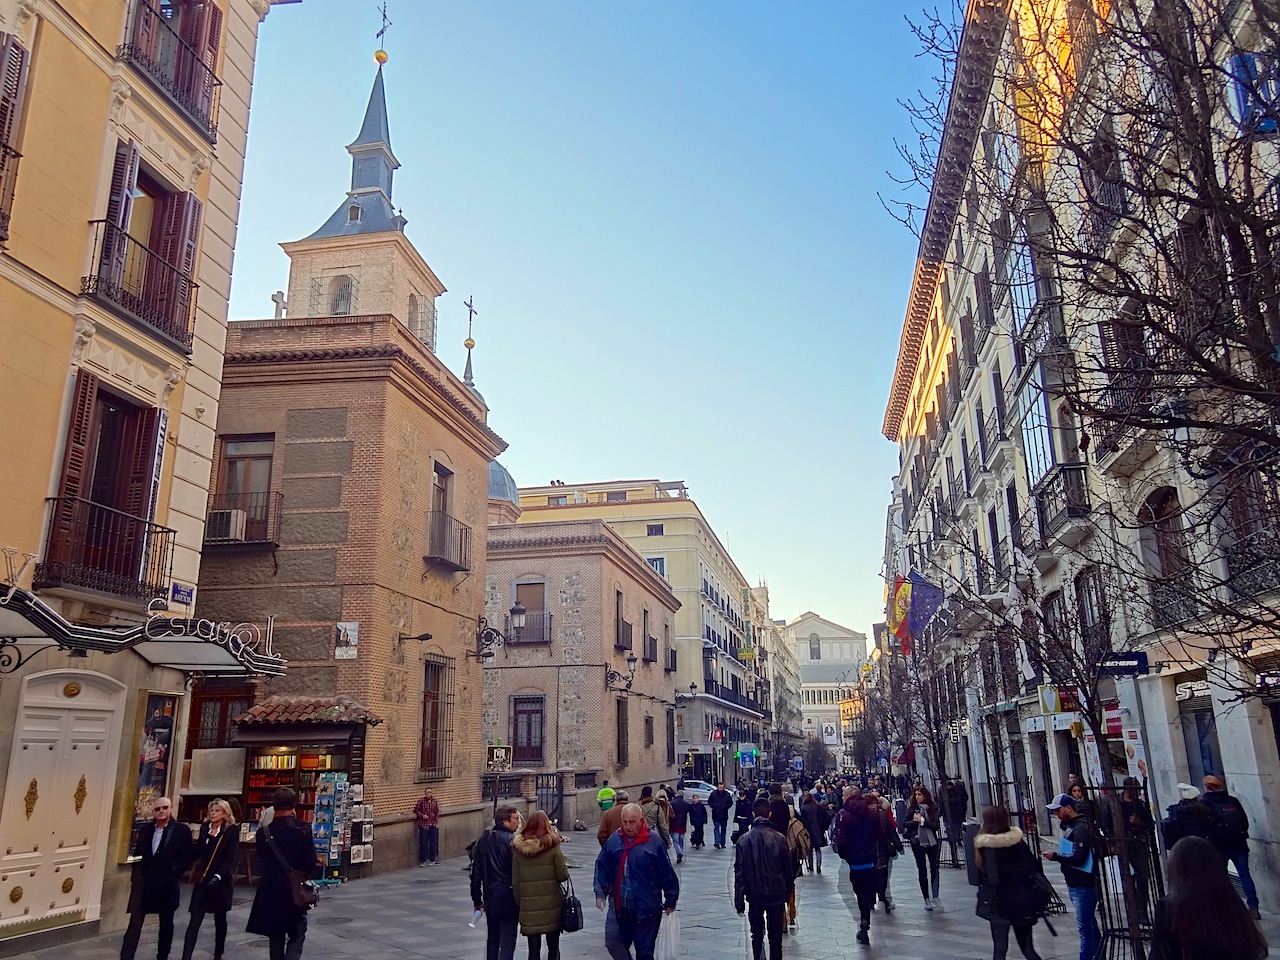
605, 796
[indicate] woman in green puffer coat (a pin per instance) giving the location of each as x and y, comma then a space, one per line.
537, 870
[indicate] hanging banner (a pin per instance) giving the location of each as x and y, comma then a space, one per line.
1135, 753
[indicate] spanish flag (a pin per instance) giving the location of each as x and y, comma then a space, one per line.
913, 603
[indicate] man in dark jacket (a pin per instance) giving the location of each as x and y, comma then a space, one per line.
763, 874
635, 878
855, 836
678, 824
1075, 856
1189, 817
274, 914
719, 801
1229, 833
165, 850
491, 888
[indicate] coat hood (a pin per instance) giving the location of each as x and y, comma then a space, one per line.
531, 847
1012, 838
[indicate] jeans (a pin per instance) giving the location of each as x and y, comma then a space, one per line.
1085, 902
624, 929
553, 946
677, 843
756, 917
864, 888
500, 944
815, 856
131, 935
428, 844
1241, 861
193, 931
1000, 940
931, 856
278, 950
719, 827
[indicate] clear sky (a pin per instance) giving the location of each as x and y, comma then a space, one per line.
667, 216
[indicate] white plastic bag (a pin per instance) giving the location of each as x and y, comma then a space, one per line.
668, 945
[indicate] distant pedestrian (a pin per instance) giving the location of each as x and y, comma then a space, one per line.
273, 914
1201, 917
854, 835
427, 814
923, 828
635, 879
698, 821
742, 815
763, 875
606, 796
611, 819
216, 852
537, 870
1229, 834
1189, 817
655, 815
1075, 857
816, 819
492, 888
1006, 898
678, 824
720, 801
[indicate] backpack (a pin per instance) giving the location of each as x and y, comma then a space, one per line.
798, 838
1230, 826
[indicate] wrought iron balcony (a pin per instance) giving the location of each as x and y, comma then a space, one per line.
537, 630
1128, 395
622, 636
1062, 496
9, 158
98, 548
1173, 599
251, 519
173, 67
448, 542
993, 433
136, 282
1253, 562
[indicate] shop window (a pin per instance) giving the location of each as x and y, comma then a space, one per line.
623, 733
527, 726
435, 751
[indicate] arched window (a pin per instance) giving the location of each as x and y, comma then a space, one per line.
342, 295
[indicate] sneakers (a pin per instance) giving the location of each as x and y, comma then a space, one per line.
862, 936
679, 858
423, 863
434, 863
928, 903
937, 904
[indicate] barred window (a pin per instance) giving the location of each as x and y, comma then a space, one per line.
527, 726
435, 756
623, 734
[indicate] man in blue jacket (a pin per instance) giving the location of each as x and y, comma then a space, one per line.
635, 877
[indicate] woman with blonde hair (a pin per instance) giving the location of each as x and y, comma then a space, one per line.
537, 870
215, 865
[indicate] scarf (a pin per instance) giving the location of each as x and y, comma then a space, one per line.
624, 890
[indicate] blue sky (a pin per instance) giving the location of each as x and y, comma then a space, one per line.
667, 216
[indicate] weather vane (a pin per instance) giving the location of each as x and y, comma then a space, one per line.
469, 303
380, 54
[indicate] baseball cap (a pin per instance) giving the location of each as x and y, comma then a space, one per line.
1062, 800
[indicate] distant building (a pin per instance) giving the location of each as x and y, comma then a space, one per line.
830, 657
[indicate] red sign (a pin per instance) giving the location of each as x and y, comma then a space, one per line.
1115, 725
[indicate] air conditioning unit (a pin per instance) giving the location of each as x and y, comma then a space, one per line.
227, 525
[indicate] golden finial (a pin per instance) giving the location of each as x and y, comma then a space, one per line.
468, 343
380, 56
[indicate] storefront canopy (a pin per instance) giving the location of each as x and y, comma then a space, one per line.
194, 646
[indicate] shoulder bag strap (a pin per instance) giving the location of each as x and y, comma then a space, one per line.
213, 856
271, 842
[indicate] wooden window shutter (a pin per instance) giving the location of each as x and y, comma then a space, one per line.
115, 246
205, 38
178, 245
1110, 348
139, 449
13, 84
76, 468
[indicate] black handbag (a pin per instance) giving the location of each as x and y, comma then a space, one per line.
570, 910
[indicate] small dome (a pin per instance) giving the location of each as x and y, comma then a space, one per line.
502, 486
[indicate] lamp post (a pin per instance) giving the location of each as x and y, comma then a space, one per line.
488, 637
621, 682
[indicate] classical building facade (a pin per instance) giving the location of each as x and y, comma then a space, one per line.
723, 709
122, 142
830, 657
349, 502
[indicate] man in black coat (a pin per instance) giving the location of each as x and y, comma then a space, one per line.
164, 850
1229, 833
764, 875
491, 886
274, 914
719, 801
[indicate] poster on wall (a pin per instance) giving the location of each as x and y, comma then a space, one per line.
1094, 761
347, 640
154, 748
1135, 752
830, 735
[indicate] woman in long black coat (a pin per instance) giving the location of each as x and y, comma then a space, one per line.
273, 914
215, 865
1006, 897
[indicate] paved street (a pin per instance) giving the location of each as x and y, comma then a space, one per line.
423, 913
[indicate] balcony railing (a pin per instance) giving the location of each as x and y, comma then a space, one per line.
650, 649
448, 542
1061, 496
622, 636
1253, 562
9, 158
243, 518
1128, 395
973, 466
992, 434
105, 550
729, 695
134, 279
670, 665
175, 69
1173, 599
537, 630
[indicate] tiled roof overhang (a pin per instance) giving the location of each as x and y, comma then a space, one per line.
984, 28
303, 709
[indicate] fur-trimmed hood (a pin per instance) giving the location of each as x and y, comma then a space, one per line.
999, 840
529, 847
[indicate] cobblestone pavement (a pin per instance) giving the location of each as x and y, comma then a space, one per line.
423, 913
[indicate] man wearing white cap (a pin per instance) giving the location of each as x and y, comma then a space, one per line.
1075, 856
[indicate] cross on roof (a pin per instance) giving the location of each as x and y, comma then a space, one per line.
386, 24
471, 312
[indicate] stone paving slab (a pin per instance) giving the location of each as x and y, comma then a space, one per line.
423, 913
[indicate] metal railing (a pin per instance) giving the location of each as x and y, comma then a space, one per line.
9, 158
250, 518
107, 550
173, 66
448, 541
1173, 599
973, 465
586, 780
1253, 562
537, 629
135, 279
714, 688
622, 636
1128, 394
993, 433
1062, 495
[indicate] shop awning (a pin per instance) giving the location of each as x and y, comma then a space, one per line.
906, 756
286, 708
28, 624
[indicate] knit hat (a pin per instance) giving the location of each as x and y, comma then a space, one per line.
1187, 792
1214, 783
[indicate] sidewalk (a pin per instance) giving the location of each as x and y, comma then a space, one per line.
423, 913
